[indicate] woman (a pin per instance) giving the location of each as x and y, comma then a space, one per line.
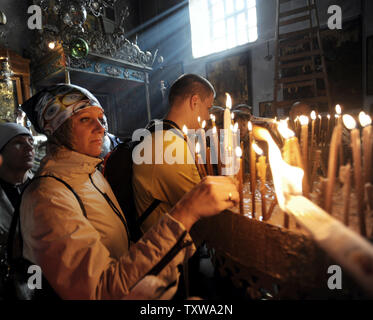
83, 249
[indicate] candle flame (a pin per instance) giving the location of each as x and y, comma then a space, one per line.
238, 152
235, 127
250, 126
313, 115
214, 130
364, 119
228, 103
198, 147
303, 120
287, 179
212, 117
319, 116
328, 116
257, 149
349, 121
185, 129
284, 130
232, 116
203, 124
199, 119
338, 109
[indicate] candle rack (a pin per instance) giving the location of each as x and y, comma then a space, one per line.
273, 256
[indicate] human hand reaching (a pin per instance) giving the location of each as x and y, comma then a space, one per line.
209, 197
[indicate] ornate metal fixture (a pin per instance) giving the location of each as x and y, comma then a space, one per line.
7, 111
64, 24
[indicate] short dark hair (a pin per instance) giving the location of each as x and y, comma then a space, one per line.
190, 84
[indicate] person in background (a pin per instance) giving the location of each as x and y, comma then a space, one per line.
80, 239
110, 140
16, 148
16, 160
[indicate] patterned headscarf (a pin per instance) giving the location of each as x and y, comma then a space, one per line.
52, 106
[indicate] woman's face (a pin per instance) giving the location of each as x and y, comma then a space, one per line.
88, 131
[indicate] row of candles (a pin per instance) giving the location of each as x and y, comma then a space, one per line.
305, 155
226, 152
361, 160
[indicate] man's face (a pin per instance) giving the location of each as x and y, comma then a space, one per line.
204, 106
18, 154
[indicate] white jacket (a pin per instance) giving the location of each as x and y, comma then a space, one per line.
89, 258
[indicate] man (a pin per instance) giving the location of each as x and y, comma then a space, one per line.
17, 151
16, 158
190, 97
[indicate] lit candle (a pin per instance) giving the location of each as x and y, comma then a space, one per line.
212, 117
296, 126
210, 170
304, 142
345, 177
328, 129
350, 123
320, 125
252, 168
338, 117
332, 168
199, 121
200, 165
240, 177
235, 145
228, 143
190, 141
214, 144
203, 139
313, 118
366, 123
262, 171
291, 149
338, 111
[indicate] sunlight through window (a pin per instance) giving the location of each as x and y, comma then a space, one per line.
219, 25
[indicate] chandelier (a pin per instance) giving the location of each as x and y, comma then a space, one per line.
64, 24
7, 111
72, 11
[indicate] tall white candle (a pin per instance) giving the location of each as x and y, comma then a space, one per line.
228, 143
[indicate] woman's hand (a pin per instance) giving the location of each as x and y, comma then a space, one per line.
211, 196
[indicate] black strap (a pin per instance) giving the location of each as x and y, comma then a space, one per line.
16, 215
180, 244
148, 211
167, 125
113, 207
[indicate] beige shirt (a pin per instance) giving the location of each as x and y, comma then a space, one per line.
165, 182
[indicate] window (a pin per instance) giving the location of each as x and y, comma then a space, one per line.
218, 25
